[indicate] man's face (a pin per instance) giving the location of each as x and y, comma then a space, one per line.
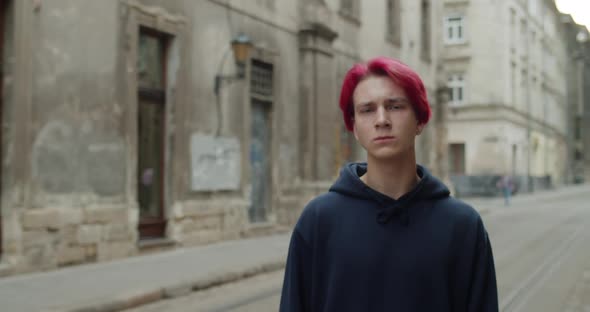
385, 123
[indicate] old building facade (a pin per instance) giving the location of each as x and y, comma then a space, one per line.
578, 98
129, 127
582, 129
507, 69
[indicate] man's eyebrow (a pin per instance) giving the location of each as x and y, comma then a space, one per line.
397, 99
367, 103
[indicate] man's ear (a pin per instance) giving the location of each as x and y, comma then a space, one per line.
420, 128
354, 130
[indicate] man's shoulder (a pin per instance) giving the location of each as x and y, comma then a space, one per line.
326, 199
456, 209
321, 203
322, 206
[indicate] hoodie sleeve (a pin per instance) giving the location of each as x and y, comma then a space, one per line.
483, 295
475, 275
296, 293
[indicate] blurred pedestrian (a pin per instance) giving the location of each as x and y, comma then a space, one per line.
506, 185
388, 236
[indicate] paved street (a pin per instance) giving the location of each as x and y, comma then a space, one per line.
541, 251
257, 294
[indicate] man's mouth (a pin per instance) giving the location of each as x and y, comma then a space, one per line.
384, 138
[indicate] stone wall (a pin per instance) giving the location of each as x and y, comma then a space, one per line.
206, 221
54, 237
70, 154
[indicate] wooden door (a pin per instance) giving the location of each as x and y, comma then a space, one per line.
151, 109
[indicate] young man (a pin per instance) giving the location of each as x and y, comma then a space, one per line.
387, 236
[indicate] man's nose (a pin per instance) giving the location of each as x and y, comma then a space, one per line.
382, 118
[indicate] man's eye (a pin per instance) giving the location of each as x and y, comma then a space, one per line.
393, 107
366, 110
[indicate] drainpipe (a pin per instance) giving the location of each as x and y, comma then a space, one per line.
528, 107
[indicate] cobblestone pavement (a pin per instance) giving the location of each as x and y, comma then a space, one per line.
540, 244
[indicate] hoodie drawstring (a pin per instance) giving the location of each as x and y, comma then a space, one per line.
388, 213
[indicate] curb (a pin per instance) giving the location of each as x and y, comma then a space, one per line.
180, 289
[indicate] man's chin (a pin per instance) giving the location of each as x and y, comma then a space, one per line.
382, 155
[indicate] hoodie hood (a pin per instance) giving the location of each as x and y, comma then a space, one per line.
350, 184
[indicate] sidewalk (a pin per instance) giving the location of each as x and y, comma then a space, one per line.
485, 204
121, 284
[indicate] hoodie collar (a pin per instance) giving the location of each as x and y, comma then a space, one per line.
349, 183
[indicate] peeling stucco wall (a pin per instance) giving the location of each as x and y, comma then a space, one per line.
75, 187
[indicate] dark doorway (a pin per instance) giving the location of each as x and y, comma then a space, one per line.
457, 159
261, 88
260, 161
151, 110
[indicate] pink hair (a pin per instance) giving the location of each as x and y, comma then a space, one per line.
400, 73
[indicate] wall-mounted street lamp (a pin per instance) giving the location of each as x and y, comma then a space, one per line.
241, 46
582, 36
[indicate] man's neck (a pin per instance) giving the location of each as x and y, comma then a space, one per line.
394, 177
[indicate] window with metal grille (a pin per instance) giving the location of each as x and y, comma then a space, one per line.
350, 9
261, 79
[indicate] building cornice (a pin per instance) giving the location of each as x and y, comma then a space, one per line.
514, 116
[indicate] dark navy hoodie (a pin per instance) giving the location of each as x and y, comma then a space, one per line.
356, 249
